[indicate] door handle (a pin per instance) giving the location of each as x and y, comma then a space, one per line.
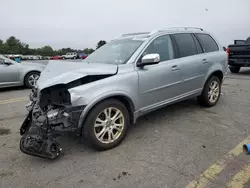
204, 61
175, 67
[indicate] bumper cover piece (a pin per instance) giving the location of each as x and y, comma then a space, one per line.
36, 141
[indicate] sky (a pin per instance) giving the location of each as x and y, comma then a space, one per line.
81, 23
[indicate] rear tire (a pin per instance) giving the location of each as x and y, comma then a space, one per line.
98, 128
234, 69
211, 92
31, 78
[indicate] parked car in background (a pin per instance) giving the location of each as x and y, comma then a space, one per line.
46, 57
71, 55
17, 74
56, 57
24, 57
82, 56
10, 56
34, 57
239, 55
31, 57
39, 57
121, 81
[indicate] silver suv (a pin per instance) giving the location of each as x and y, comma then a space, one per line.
121, 81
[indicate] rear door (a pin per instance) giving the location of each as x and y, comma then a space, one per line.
211, 52
192, 63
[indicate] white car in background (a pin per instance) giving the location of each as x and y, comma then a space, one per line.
71, 55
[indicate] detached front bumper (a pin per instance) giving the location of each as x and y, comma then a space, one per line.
37, 141
40, 129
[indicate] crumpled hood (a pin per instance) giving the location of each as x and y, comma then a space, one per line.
63, 72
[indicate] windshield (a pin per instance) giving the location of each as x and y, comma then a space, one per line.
4, 59
116, 52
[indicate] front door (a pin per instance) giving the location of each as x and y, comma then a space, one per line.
159, 83
9, 74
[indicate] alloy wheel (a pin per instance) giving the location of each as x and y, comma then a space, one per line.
213, 91
109, 125
33, 79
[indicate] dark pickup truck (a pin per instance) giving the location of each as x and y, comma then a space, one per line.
239, 55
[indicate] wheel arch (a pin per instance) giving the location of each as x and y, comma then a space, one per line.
122, 97
217, 73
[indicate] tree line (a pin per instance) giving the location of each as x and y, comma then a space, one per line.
14, 46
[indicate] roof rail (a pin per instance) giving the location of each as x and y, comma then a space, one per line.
131, 34
181, 28
176, 28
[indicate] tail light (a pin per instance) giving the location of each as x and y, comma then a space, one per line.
228, 51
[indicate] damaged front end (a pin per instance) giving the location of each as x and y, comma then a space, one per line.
50, 114
52, 109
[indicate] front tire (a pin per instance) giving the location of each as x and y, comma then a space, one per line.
211, 92
234, 69
31, 79
106, 125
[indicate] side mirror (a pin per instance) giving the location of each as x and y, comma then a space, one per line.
149, 59
224, 48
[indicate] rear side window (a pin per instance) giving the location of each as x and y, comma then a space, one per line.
185, 43
198, 45
207, 42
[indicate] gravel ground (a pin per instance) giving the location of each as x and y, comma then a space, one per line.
167, 148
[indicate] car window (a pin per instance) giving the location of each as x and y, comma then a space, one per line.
162, 46
198, 45
207, 42
185, 44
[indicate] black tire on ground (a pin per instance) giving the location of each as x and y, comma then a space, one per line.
74, 57
88, 127
203, 98
26, 78
234, 69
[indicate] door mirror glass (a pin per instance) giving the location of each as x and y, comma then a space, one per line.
149, 59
